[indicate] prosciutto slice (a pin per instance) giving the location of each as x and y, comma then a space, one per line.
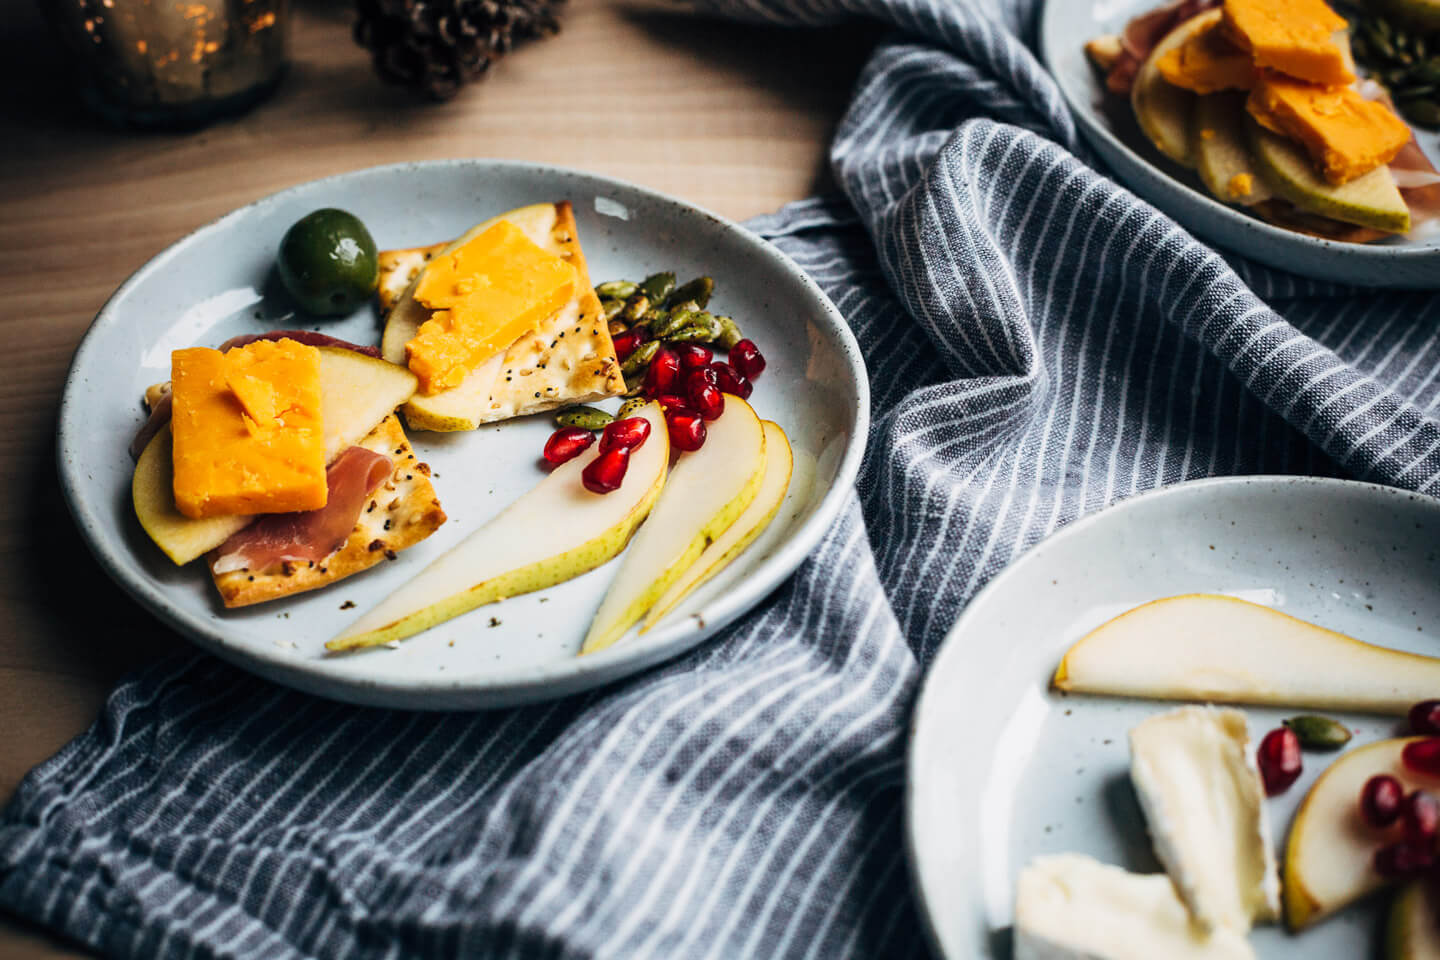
310, 534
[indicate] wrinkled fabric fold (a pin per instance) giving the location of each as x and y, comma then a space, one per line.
1040, 344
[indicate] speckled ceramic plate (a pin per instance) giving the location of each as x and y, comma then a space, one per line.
219, 281
1107, 123
1002, 769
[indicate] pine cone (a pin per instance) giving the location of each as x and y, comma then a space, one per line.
437, 46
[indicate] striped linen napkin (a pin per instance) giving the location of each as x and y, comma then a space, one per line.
1040, 344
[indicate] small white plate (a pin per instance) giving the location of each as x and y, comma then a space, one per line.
1001, 769
220, 281
1106, 121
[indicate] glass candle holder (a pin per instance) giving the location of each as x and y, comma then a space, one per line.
172, 63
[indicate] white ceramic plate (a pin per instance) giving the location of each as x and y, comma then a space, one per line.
1108, 124
219, 281
1002, 769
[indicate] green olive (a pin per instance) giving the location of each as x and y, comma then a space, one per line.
328, 262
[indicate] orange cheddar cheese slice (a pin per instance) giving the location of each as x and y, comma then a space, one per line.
1208, 62
1346, 135
1295, 37
247, 427
485, 295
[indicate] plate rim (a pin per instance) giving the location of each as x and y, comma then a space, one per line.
1138, 171
928, 906
530, 684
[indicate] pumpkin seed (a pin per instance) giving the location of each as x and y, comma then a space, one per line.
617, 289
618, 327
673, 321
729, 333
698, 290
1319, 733
587, 418
702, 328
640, 359
658, 286
635, 308
611, 308
630, 407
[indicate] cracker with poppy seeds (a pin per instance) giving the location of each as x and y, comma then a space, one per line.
398, 514
568, 359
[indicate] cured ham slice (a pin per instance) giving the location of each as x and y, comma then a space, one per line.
311, 534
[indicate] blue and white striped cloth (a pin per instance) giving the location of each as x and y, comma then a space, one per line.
1040, 344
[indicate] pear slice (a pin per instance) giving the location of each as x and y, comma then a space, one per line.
708, 490
1222, 154
1162, 109
554, 533
1223, 650
1371, 200
356, 393
779, 462
1412, 931
1329, 857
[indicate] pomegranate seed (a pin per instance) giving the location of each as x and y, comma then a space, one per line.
1419, 817
628, 433
673, 401
729, 380
1403, 860
1423, 756
693, 355
687, 430
709, 401
664, 373
746, 358
698, 379
1380, 801
1425, 717
625, 343
567, 443
1279, 760
606, 472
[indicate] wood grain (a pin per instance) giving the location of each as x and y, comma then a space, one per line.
735, 118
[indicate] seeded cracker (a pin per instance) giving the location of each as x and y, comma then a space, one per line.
405, 511
569, 359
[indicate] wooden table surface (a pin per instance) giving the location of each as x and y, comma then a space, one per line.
734, 118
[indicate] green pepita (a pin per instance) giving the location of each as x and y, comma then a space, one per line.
729, 333
611, 308
635, 308
1319, 733
618, 327
640, 359
698, 290
658, 286
630, 407
617, 289
674, 320
702, 328
588, 418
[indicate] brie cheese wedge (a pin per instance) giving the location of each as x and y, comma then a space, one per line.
1070, 907
1197, 783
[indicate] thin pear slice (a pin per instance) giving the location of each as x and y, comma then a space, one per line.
707, 492
1413, 929
779, 462
1330, 855
1221, 152
1223, 650
1162, 109
554, 533
356, 393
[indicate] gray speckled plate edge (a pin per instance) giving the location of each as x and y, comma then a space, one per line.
961, 881
534, 684
1064, 27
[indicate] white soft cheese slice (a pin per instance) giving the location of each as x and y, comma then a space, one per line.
1198, 785
1070, 907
